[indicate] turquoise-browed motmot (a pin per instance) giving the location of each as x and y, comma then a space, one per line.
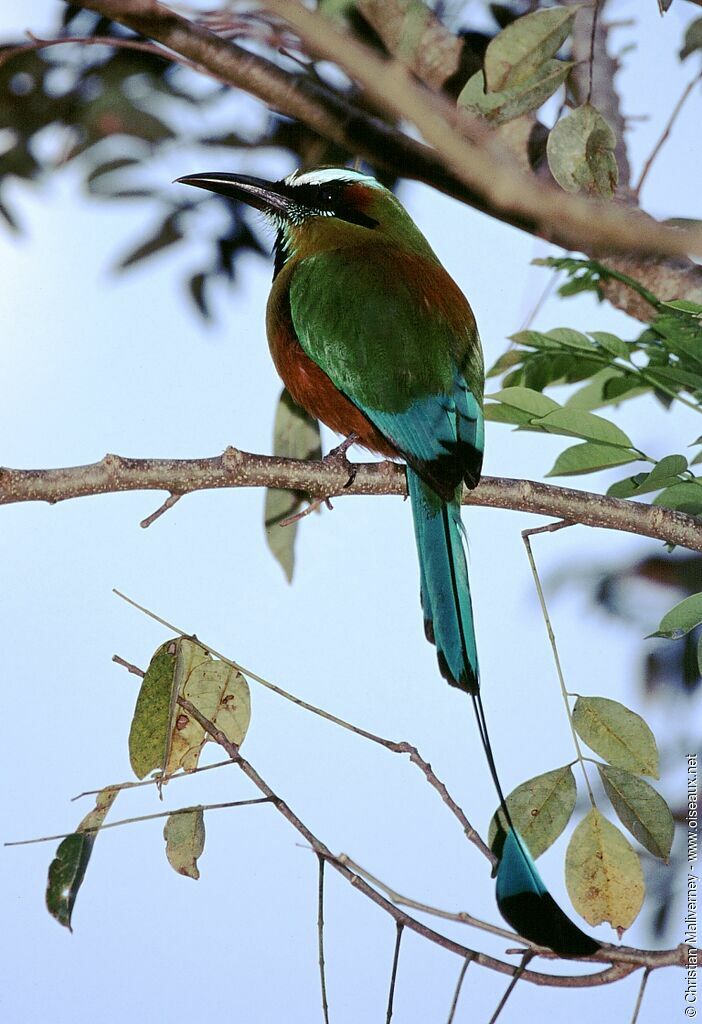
371, 336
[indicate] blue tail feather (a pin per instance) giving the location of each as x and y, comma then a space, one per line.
522, 897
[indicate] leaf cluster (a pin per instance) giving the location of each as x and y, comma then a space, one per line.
603, 872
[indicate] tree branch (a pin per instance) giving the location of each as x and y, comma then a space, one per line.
623, 960
475, 174
234, 468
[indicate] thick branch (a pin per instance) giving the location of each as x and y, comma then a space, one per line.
234, 468
476, 174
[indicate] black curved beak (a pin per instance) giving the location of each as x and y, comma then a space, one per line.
268, 196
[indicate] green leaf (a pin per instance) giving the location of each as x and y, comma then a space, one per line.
683, 333
685, 497
664, 474
608, 386
508, 104
576, 423
498, 413
540, 809
534, 339
603, 874
67, 869
148, 735
516, 52
670, 465
580, 152
667, 375
617, 734
685, 305
295, 436
699, 654
589, 458
611, 343
184, 833
505, 362
532, 402
570, 338
681, 618
693, 39
640, 809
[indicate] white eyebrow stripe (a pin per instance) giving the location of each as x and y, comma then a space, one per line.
326, 174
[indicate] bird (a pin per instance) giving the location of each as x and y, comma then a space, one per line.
371, 335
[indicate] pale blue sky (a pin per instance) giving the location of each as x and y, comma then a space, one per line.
94, 363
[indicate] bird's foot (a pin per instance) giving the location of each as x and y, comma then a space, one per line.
337, 457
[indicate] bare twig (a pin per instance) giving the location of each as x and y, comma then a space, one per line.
593, 30
393, 974
552, 640
640, 995
320, 938
141, 817
167, 504
512, 984
118, 42
461, 916
456, 994
666, 132
154, 781
114, 474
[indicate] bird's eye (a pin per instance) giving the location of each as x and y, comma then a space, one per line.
328, 195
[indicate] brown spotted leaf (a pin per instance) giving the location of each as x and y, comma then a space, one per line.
603, 874
580, 152
515, 53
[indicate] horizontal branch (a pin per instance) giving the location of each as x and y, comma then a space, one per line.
234, 468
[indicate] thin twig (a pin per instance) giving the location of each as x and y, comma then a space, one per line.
393, 975
461, 916
152, 782
312, 507
456, 994
120, 43
320, 936
640, 995
593, 31
666, 132
552, 640
167, 504
141, 817
510, 988
397, 748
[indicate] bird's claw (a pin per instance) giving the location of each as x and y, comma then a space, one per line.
337, 457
